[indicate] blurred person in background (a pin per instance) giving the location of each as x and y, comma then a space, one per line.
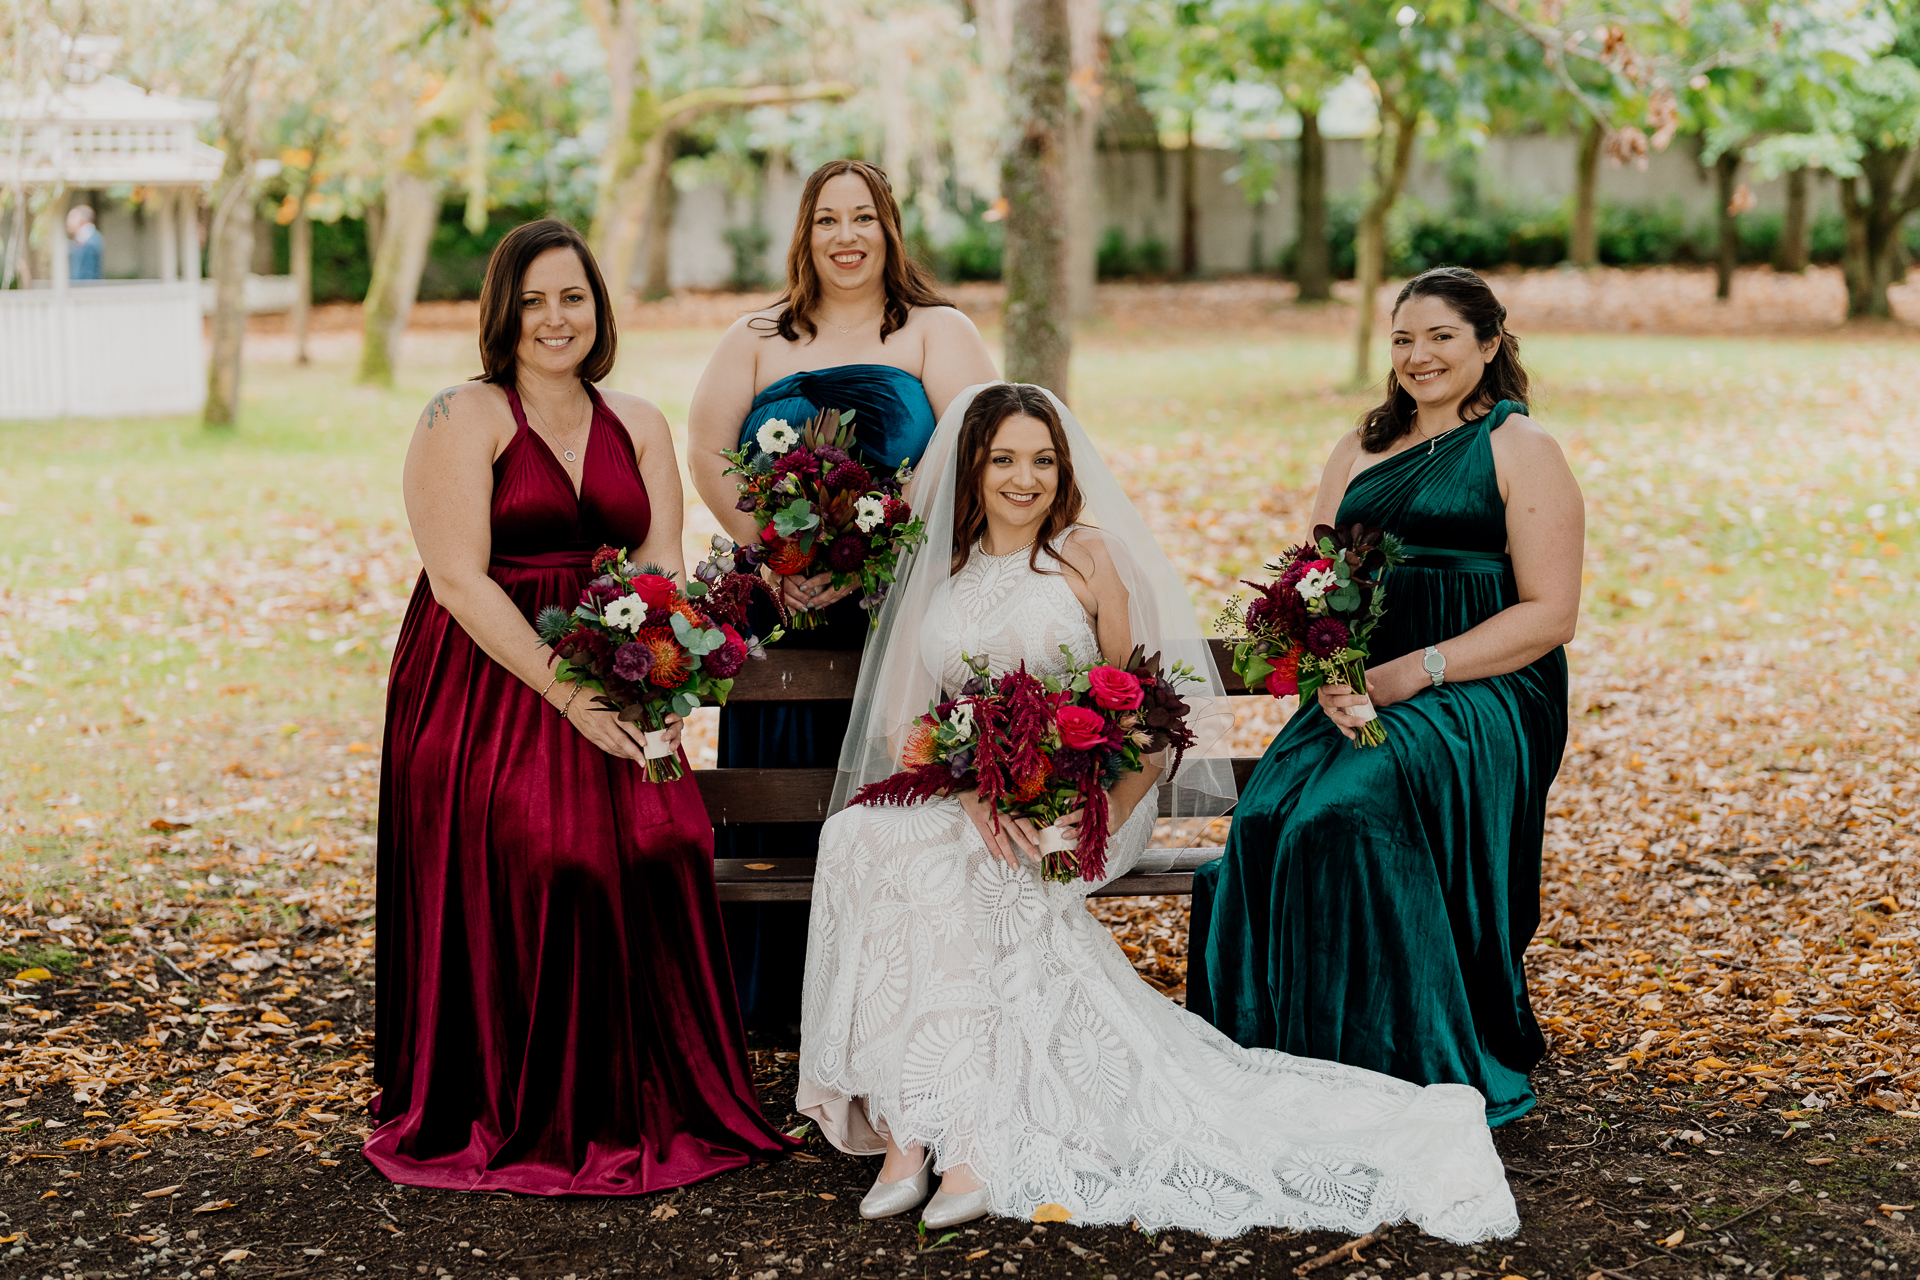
554, 1014
84, 244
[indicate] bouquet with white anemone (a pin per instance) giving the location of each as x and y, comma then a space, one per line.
820, 508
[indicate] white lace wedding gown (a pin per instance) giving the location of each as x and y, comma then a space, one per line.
982, 1012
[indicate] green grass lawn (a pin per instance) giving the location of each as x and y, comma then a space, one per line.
195, 621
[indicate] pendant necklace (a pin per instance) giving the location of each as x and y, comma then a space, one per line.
568, 454
849, 328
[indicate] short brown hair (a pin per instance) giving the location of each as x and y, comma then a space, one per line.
500, 324
908, 284
989, 409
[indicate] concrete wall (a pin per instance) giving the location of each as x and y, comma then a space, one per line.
1140, 194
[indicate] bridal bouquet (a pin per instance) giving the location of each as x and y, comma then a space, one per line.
1041, 748
1311, 625
819, 509
647, 647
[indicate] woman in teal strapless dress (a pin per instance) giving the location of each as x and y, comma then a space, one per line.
860, 327
1374, 904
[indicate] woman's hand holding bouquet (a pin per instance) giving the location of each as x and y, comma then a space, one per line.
819, 509
652, 651
1310, 628
1043, 753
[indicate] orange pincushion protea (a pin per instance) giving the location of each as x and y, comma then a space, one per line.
669, 659
785, 557
920, 747
1031, 786
691, 614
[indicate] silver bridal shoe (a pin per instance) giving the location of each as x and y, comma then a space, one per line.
885, 1199
951, 1210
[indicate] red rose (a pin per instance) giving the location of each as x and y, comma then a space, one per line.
1082, 729
1114, 689
656, 590
1285, 677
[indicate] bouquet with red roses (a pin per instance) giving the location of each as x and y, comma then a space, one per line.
647, 647
1312, 624
1041, 748
821, 509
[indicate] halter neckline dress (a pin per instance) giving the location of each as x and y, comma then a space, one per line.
554, 1013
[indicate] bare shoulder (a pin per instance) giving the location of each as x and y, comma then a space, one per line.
942, 322
1085, 551
1523, 442
646, 425
468, 407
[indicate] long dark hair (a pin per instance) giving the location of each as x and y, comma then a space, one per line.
500, 323
908, 284
1503, 379
989, 409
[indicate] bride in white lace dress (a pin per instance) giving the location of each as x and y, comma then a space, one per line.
959, 1011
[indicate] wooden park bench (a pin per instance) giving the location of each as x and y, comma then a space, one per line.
803, 795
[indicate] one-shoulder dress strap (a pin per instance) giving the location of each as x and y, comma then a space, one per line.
1499, 414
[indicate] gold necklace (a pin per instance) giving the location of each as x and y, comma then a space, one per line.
849, 328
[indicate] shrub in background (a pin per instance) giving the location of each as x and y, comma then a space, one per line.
1116, 259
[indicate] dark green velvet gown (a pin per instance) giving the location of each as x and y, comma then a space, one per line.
1374, 904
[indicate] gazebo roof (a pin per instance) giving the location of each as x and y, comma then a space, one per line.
104, 132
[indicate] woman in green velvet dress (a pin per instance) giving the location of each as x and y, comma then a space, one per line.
1374, 904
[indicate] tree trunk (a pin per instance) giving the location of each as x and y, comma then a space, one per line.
1794, 233
659, 237
231, 245
1313, 256
1390, 173
1083, 162
300, 253
1726, 250
1875, 208
651, 130
1189, 206
476, 65
1583, 244
1039, 307
413, 207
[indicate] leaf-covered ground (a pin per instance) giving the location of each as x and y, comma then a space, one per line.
195, 632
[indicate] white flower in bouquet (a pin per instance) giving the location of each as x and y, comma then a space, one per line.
1316, 583
961, 721
870, 512
776, 435
626, 613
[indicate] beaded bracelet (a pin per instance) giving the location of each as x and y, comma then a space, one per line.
570, 698
549, 689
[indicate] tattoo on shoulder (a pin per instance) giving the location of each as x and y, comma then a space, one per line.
441, 407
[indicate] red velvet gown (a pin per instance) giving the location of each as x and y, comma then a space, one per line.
555, 1014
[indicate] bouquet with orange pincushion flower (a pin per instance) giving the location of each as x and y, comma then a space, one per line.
822, 510
649, 647
1041, 748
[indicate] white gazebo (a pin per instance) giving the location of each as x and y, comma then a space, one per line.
106, 348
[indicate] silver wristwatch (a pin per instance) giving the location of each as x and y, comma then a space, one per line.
1435, 665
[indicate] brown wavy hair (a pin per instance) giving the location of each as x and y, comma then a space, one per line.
1504, 378
500, 323
989, 409
908, 283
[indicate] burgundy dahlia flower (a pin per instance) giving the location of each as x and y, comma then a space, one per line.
1326, 637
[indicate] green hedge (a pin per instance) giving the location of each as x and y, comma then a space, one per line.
456, 258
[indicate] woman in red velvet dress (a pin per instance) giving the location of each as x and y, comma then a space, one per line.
555, 1013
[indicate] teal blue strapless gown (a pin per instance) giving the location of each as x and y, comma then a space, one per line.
1373, 905
893, 421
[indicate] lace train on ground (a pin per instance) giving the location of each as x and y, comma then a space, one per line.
982, 1011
